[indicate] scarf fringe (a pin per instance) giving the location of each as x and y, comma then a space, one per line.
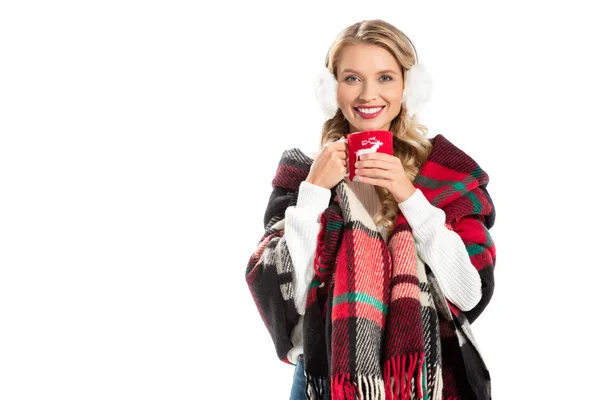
365, 388
405, 378
315, 387
371, 388
402, 374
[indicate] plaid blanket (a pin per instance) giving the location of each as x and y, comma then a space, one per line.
377, 325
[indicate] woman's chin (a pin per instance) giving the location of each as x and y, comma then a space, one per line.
369, 127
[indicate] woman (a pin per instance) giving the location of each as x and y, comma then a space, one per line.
369, 287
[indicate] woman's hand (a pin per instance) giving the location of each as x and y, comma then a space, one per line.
329, 167
386, 171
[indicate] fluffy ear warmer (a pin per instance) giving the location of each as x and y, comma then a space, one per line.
417, 90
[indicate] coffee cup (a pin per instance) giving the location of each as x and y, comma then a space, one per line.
365, 142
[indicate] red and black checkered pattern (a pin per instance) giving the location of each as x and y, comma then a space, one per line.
377, 325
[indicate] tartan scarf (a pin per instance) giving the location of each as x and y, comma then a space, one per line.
377, 325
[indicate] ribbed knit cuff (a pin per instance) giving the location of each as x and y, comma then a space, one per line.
313, 197
417, 209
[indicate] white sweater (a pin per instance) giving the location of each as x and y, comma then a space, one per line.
442, 249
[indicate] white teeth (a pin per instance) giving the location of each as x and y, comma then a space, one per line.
369, 110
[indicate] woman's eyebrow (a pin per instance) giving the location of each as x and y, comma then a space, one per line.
384, 71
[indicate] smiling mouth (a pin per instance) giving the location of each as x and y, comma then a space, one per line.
369, 112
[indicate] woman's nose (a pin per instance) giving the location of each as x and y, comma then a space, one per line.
368, 92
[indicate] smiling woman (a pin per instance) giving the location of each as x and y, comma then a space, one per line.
374, 65
369, 287
370, 87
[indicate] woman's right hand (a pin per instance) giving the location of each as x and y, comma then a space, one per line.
330, 165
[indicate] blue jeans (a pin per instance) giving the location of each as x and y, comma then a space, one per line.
299, 382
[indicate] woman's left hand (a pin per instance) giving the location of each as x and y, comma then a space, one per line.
386, 171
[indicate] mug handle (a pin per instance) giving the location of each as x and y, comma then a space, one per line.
343, 139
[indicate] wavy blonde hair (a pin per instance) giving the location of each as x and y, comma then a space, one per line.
411, 145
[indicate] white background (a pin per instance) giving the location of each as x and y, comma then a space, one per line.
138, 143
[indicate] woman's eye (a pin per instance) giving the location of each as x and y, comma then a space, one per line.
386, 78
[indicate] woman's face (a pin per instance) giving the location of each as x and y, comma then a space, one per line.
369, 78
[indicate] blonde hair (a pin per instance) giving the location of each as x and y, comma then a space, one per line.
411, 145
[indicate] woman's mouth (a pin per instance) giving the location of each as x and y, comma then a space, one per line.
368, 112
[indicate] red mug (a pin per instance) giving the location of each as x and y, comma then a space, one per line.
364, 142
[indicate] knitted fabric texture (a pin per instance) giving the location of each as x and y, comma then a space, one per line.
377, 325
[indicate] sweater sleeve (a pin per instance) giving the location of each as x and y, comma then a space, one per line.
443, 250
302, 227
